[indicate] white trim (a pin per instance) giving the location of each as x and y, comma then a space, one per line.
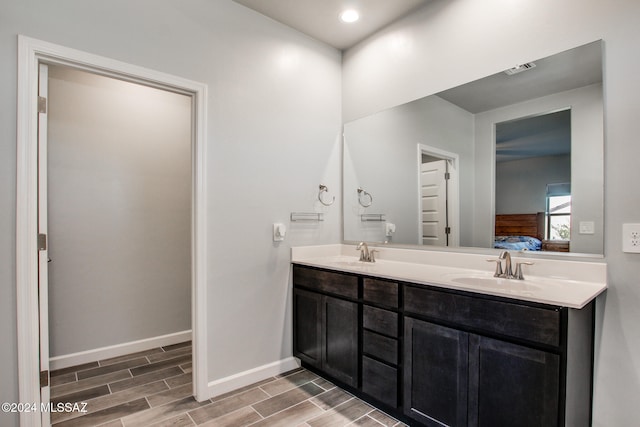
252, 376
30, 53
453, 195
26, 234
79, 358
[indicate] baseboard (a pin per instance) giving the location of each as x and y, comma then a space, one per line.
102, 353
242, 379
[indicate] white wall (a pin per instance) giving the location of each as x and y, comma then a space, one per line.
274, 125
381, 156
119, 171
452, 42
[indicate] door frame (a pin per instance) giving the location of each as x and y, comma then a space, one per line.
30, 53
453, 190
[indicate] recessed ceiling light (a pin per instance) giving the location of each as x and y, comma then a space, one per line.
349, 16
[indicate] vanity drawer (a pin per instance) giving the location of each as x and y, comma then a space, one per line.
536, 324
384, 348
381, 292
379, 320
380, 381
326, 281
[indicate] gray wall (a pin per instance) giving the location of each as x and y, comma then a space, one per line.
274, 117
521, 185
119, 211
449, 43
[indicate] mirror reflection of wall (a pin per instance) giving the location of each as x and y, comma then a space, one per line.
380, 151
382, 155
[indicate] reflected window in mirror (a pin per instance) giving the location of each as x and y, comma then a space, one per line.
558, 212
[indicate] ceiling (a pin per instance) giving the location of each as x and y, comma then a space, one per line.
564, 71
544, 135
538, 136
320, 18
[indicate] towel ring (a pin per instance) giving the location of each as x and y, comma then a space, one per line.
324, 189
361, 194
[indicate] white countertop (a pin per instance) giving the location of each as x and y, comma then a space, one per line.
570, 284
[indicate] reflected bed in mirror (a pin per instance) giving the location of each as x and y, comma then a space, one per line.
511, 145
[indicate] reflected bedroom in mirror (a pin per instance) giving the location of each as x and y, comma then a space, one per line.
511, 161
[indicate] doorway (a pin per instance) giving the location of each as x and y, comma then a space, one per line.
31, 248
438, 199
118, 171
533, 173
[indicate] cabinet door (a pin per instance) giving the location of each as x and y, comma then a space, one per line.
380, 381
340, 339
435, 374
307, 327
512, 385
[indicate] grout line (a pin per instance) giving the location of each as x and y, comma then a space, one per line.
314, 403
291, 406
365, 415
192, 420
289, 389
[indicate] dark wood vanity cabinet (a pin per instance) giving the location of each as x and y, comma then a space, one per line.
510, 383
436, 374
380, 341
475, 360
432, 356
326, 327
456, 378
307, 327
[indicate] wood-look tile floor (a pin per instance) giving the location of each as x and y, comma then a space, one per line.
154, 388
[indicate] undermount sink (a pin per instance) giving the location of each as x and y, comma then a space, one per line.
353, 263
495, 283
350, 262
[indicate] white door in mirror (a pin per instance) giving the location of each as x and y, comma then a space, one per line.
631, 238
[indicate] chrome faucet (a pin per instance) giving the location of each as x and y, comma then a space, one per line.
366, 255
508, 273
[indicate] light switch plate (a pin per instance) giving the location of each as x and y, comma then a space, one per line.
631, 238
587, 227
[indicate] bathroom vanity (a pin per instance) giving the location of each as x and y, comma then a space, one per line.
436, 344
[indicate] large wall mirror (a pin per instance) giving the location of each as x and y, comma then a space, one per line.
514, 160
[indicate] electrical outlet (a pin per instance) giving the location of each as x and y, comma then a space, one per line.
631, 238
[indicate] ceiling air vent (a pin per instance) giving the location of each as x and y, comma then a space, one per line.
519, 68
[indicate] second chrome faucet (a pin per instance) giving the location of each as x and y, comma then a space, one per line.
508, 272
